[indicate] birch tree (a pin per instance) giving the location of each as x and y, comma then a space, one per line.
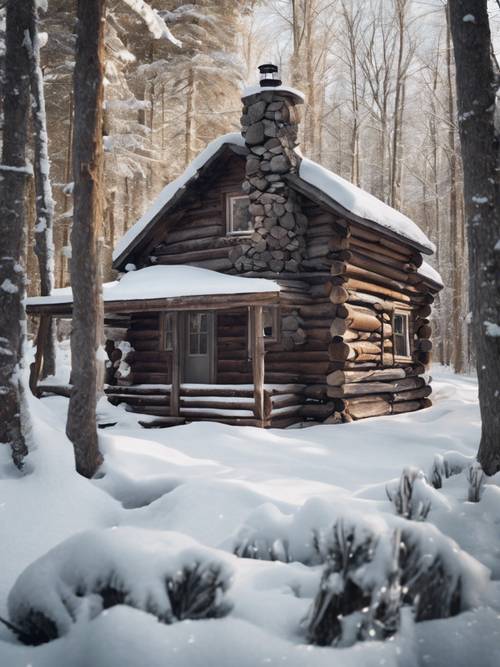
44, 246
477, 84
14, 174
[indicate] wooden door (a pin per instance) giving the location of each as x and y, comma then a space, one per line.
199, 346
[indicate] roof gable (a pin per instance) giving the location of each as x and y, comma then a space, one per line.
313, 180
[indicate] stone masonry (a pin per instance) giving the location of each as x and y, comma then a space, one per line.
270, 127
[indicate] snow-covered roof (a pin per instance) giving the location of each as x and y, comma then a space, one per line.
362, 203
349, 196
164, 282
429, 272
254, 90
168, 192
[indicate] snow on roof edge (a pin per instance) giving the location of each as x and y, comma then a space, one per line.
362, 203
429, 272
172, 188
348, 195
166, 282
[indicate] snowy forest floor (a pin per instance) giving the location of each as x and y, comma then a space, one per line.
216, 484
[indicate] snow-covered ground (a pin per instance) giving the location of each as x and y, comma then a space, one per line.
206, 488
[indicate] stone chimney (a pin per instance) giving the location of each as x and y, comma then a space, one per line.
270, 123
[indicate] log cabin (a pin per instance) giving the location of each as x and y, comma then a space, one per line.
262, 289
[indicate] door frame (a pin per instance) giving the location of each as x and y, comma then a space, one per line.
212, 347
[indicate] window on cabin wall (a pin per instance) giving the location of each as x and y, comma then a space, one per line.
271, 329
167, 332
238, 219
198, 334
401, 334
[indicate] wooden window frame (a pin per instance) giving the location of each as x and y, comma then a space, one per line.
229, 197
164, 318
406, 314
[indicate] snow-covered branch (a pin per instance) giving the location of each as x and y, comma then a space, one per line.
153, 20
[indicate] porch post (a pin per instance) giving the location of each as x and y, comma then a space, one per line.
176, 367
36, 366
258, 362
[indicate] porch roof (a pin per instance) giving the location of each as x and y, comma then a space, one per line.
167, 287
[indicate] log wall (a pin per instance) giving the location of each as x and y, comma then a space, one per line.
336, 315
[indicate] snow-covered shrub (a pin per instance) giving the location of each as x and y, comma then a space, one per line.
359, 595
371, 570
164, 573
475, 478
446, 465
411, 497
431, 585
268, 534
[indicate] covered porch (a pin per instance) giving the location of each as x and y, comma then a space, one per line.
177, 293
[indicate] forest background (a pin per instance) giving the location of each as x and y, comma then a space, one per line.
380, 110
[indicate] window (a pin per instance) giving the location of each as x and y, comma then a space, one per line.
167, 335
401, 334
198, 334
270, 325
238, 219
270, 321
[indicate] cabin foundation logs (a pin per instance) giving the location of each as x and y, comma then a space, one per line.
269, 126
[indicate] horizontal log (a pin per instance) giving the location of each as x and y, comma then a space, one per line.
385, 270
378, 249
138, 400
406, 406
323, 310
196, 232
138, 390
364, 388
142, 334
343, 351
378, 303
340, 377
378, 290
412, 394
318, 410
375, 408
188, 245
296, 355
152, 378
317, 391
351, 317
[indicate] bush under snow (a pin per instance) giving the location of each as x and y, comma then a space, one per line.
164, 573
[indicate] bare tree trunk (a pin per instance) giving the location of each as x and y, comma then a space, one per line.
456, 221
14, 174
44, 245
396, 132
88, 171
189, 125
437, 230
477, 82
67, 198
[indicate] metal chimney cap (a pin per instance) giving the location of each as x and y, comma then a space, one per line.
268, 78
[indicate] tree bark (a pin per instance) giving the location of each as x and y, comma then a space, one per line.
14, 174
87, 220
44, 246
477, 83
